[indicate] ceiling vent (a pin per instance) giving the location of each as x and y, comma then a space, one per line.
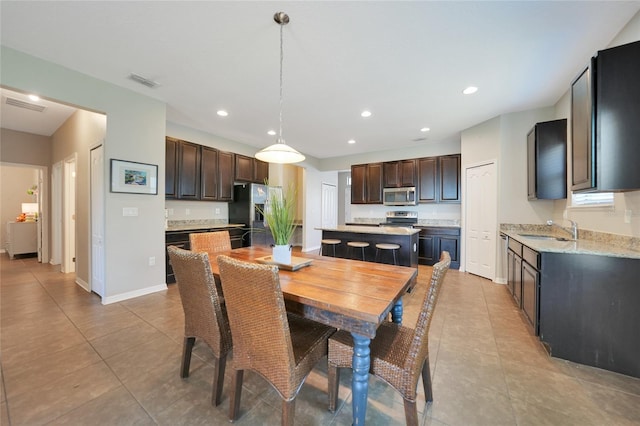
26, 105
144, 81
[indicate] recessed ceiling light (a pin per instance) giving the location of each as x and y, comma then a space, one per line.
351, 141
271, 132
366, 114
470, 90
425, 129
222, 113
34, 98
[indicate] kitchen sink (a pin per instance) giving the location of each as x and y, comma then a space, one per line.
545, 237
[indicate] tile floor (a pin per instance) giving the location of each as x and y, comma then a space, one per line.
67, 359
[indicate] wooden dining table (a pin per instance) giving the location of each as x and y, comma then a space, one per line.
347, 294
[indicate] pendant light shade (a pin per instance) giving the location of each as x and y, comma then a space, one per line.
280, 152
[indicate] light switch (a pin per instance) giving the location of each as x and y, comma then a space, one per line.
129, 211
627, 216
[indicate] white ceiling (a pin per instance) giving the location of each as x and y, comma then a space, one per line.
405, 61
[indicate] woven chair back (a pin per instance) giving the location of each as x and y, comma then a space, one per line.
203, 315
258, 320
210, 242
420, 340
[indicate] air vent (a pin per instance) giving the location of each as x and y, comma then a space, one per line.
26, 105
145, 81
419, 139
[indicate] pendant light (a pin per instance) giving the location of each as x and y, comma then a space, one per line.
280, 152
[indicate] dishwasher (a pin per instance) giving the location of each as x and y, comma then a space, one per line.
501, 267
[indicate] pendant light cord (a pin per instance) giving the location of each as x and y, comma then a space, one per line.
280, 140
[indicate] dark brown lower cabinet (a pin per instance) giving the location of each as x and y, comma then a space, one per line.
434, 240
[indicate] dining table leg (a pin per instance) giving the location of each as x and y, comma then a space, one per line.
396, 312
360, 379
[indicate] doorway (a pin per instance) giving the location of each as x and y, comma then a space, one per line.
69, 215
481, 219
329, 206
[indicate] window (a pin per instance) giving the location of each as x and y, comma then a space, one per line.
594, 199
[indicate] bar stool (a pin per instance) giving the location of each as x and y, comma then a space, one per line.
329, 242
387, 246
358, 244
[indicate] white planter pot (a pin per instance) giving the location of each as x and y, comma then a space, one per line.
282, 254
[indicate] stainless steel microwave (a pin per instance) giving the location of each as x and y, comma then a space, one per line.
400, 196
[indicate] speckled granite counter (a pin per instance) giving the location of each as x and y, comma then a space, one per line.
382, 230
192, 225
589, 242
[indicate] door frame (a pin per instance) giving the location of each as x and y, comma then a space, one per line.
95, 216
69, 212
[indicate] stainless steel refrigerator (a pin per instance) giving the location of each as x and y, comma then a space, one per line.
248, 202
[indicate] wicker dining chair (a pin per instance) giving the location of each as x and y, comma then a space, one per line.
281, 348
398, 353
211, 242
204, 316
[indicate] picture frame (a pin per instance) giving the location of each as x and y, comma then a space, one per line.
131, 177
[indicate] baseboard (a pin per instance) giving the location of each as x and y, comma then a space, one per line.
315, 249
83, 284
500, 281
133, 294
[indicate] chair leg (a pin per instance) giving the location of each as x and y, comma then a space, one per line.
218, 380
187, 348
411, 413
333, 373
236, 393
288, 412
426, 380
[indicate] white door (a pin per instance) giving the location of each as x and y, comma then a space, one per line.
481, 220
56, 214
69, 216
329, 206
97, 220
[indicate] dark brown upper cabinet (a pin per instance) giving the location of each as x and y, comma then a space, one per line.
249, 169
171, 168
582, 135
196, 172
209, 174
439, 179
366, 183
605, 106
189, 155
547, 161
398, 174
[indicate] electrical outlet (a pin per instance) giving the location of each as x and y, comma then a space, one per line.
187, 212
129, 211
152, 260
627, 216
564, 214
217, 211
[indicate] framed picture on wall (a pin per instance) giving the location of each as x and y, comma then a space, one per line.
134, 178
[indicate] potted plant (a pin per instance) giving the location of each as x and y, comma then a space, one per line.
279, 216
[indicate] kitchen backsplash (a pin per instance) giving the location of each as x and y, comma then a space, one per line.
426, 212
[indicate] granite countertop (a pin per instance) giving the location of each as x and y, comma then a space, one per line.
191, 226
382, 230
579, 246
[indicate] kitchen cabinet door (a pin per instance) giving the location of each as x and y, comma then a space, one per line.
449, 177
530, 284
209, 174
428, 177
358, 184
391, 174
582, 136
188, 171
260, 171
547, 161
171, 168
225, 177
617, 118
408, 173
244, 168
374, 183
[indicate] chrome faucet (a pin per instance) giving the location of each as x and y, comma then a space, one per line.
574, 228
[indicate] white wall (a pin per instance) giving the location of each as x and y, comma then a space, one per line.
136, 132
313, 180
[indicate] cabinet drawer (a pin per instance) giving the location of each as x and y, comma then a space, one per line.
515, 246
531, 257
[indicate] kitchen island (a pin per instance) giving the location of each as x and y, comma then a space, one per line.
406, 238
